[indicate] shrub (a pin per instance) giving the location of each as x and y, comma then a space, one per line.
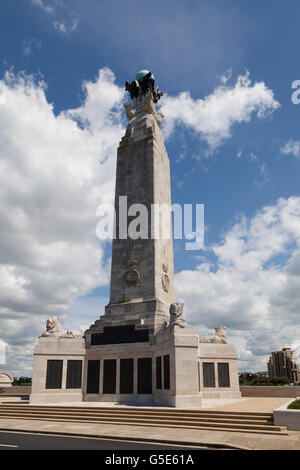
22, 381
295, 405
264, 380
261, 380
280, 381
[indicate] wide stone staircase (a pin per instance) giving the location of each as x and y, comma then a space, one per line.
249, 422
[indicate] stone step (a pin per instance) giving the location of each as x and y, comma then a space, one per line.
162, 417
134, 416
142, 410
142, 420
150, 414
160, 423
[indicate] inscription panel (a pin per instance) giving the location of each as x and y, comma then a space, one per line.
93, 376
119, 335
167, 372
126, 376
74, 374
209, 374
109, 376
158, 373
145, 375
223, 374
54, 374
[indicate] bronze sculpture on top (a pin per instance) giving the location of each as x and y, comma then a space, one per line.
143, 84
144, 95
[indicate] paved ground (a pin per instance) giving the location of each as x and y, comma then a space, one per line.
261, 404
184, 437
16, 441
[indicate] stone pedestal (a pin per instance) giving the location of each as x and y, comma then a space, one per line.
178, 364
221, 358
56, 349
181, 344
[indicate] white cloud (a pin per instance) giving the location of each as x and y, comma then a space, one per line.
226, 77
66, 26
214, 116
65, 20
254, 290
48, 8
264, 176
29, 46
2, 352
296, 347
54, 172
292, 147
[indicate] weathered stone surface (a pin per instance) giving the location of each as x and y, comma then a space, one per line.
143, 175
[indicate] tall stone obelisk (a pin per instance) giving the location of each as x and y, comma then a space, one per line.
143, 176
142, 271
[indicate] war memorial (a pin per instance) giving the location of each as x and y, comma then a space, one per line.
142, 350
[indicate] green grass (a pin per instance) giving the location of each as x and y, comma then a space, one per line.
295, 405
14, 395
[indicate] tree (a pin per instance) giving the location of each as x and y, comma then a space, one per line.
19, 381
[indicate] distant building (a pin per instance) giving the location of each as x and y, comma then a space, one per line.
263, 373
247, 375
252, 375
6, 379
283, 364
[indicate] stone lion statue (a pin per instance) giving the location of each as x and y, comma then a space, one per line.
177, 316
53, 328
220, 337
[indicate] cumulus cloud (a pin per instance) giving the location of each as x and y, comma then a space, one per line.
55, 169
54, 172
292, 147
214, 116
254, 286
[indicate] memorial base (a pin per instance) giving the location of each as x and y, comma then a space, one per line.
172, 367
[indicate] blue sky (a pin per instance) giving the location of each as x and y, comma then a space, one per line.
189, 46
